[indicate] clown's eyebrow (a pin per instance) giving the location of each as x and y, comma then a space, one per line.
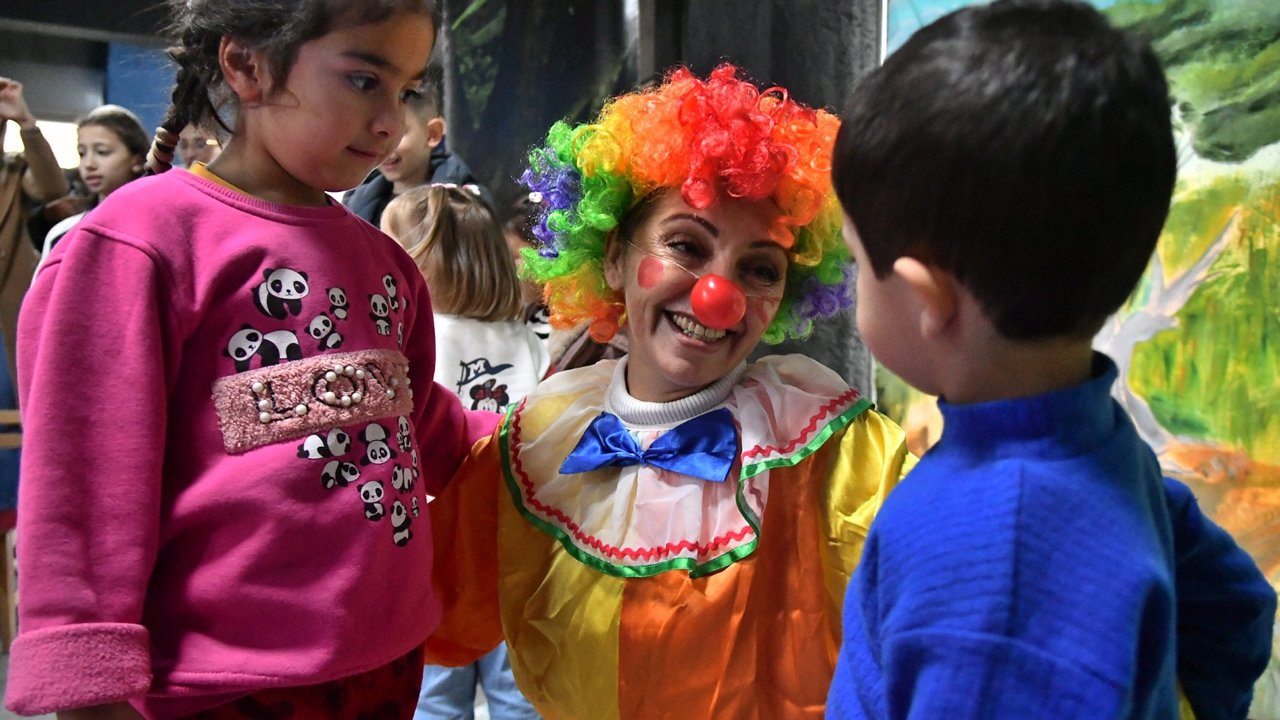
715, 231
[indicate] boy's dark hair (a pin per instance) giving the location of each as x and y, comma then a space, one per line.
276, 27
427, 103
1024, 146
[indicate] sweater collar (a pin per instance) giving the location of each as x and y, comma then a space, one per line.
1076, 417
635, 412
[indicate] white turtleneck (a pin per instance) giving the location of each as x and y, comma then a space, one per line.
640, 413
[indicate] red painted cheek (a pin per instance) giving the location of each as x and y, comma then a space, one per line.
650, 272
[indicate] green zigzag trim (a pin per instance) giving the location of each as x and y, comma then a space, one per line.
837, 424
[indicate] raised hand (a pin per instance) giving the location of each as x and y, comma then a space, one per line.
12, 105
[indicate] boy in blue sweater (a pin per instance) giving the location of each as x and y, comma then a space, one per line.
1005, 176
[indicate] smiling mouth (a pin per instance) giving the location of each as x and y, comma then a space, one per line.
694, 329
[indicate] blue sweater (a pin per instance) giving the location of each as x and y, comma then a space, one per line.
1026, 569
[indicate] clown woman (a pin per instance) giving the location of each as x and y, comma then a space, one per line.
673, 532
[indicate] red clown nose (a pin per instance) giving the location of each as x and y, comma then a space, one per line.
717, 302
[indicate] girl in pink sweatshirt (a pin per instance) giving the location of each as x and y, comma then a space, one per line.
231, 425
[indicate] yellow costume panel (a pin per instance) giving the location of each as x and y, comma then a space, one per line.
638, 592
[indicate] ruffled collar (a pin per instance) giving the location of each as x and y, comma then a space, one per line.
639, 520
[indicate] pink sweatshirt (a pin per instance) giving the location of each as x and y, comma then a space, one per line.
225, 461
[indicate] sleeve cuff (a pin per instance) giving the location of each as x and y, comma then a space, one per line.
72, 666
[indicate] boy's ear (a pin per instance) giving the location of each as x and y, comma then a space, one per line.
245, 70
935, 290
435, 132
615, 271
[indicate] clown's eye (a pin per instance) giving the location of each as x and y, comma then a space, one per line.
765, 273
684, 246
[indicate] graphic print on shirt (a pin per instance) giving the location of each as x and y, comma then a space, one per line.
400, 521
380, 313
338, 473
325, 332
338, 407
337, 303
376, 450
485, 392
402, 434
281, 293
489, 396
334, 444
371, 494
389, 284
270, 348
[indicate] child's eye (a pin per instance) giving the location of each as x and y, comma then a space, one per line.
410, 93
363, 83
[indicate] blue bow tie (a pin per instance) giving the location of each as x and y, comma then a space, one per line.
704, 447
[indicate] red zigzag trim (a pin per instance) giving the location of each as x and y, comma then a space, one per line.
603, 547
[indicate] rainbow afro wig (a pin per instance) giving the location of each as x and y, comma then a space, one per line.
710, 139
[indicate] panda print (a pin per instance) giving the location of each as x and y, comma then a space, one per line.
414, 502
335, 444
400, 521
380, 314
376, 451
389, 284
402, 479
322, 330
337, 473
403, 434
270, 348
337, 303
281, 293
371, 494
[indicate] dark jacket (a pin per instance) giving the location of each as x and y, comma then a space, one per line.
370, 198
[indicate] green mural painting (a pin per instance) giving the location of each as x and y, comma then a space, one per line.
1198, 344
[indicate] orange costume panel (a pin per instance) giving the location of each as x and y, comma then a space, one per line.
638, 592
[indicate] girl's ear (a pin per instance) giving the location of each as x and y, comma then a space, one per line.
245, 70
615, 270
934, 289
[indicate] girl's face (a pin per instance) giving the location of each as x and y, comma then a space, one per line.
105, 162
672, 354
340, 112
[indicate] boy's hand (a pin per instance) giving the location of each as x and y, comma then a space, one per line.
13, 106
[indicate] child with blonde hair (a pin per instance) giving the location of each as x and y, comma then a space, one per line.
485, 352
489, 356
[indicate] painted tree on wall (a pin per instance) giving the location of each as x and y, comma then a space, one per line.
1198, 345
